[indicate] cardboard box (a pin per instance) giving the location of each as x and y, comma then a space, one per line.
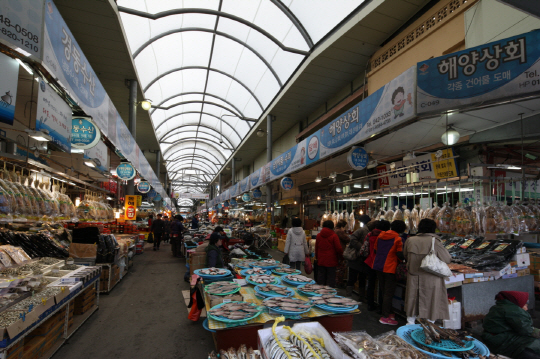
473, 275
522, 259
197, 260
83, 251
523, 272
33, 346
454, 284
456, 277
16, 328
17, 354
508, 276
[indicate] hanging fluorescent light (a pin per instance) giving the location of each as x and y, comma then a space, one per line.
90, 162
26, 67
339, 189
318, 179
41, 136
372, 164
450, 137
366, 185
109, 198
357, 185
333, 175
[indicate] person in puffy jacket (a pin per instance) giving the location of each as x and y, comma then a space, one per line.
358, 269
328, 251
508, 327
296, 245
388, 252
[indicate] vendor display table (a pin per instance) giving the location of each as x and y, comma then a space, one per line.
226, 336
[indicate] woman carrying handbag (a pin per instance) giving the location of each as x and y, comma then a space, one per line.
426, 295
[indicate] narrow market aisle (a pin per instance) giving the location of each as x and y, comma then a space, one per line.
144, 316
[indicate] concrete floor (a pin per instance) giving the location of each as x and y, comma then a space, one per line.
145, 316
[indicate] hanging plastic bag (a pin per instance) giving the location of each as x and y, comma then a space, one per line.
308, 267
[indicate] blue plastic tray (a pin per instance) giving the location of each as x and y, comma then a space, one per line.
445, 345
296, 271
276, 281
206, 276
231, 321
244, 274
310, 294
231, 292
273, 294
296, 284
286, 312
405, 331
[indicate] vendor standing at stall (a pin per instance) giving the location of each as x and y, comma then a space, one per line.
213, 253
508, 327
176, 235
425, 296
194, 222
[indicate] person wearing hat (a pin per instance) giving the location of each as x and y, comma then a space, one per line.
508, 327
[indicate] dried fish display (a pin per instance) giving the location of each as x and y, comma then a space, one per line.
298, 278
242, 353
262, 279
316, 289
287, 304
280, 270
268, 261
334, 301
213, 271
274, 289
234, 311
222, 287
360, 345
255, 270
399, 347
434, 333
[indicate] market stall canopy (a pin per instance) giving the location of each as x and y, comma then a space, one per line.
211, 68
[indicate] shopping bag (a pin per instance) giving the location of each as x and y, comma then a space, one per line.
285, 259
350, 253
432, 264
150, 238
307, 265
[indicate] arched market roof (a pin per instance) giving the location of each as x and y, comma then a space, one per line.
213, 66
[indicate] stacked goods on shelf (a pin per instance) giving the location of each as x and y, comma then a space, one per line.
95, 209
42, 244
85, 301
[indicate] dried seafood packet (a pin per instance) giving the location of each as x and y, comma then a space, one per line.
361, 345
393, 343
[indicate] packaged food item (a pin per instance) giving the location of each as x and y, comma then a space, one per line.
462, 224
389, 215
406, 218
398, 214
414, 219
444, 218
534, 211
478, 215
528, 216
432, 214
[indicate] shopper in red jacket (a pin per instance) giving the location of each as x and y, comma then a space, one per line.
328, 252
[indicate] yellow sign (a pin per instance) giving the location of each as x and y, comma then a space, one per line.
287, 201
139, 201
445, 166
130, 208
268, 219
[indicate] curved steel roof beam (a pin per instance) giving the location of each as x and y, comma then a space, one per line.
295, 21
205, 161
203, 150
202, 29
203, 94
203, 102
193, 140
177, 159
216, 13
173, 132
196, 166
198, 113
229, 143
205, 69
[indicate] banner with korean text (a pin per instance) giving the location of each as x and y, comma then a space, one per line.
489, 73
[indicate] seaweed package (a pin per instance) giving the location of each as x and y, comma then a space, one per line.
444, 218
360, 345
394, 344
462, 223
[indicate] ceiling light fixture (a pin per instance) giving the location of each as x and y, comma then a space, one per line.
146, 104
333, 175
372, 164
409, 156
339, 189
531, 156
90, 162
357, 185
260, 132
41, 136
450, 137
318, 179
26, 67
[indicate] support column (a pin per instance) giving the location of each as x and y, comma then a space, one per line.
158, 165
130, 188
233, 166
220, 185
269, 204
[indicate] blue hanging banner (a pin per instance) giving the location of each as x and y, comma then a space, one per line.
233, 202
152, 193
157, 198
143, 187
246, 197
84, 133
287, 183
125, 171
358, 158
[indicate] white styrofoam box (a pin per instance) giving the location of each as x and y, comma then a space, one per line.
455, 316
314, 328
522, 259
456, 277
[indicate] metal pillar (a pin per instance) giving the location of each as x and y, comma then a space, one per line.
269, 204
220, 189
130, 188
233, 166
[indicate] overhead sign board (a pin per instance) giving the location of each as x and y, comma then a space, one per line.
9, 77
143, 186
287, 183
358, 158
489, 73
84, 133
21, 25
125, 171
257, 193
100, 154
130, 208
54, 115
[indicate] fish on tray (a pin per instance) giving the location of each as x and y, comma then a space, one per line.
274, 288
235, 310
298, 278
334, 301
221, 287
318, 289
269, 261
262, 278
245, 264
255, 270
213, 271
286, 303
286, 270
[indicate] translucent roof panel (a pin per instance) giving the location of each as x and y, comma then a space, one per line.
212, 67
